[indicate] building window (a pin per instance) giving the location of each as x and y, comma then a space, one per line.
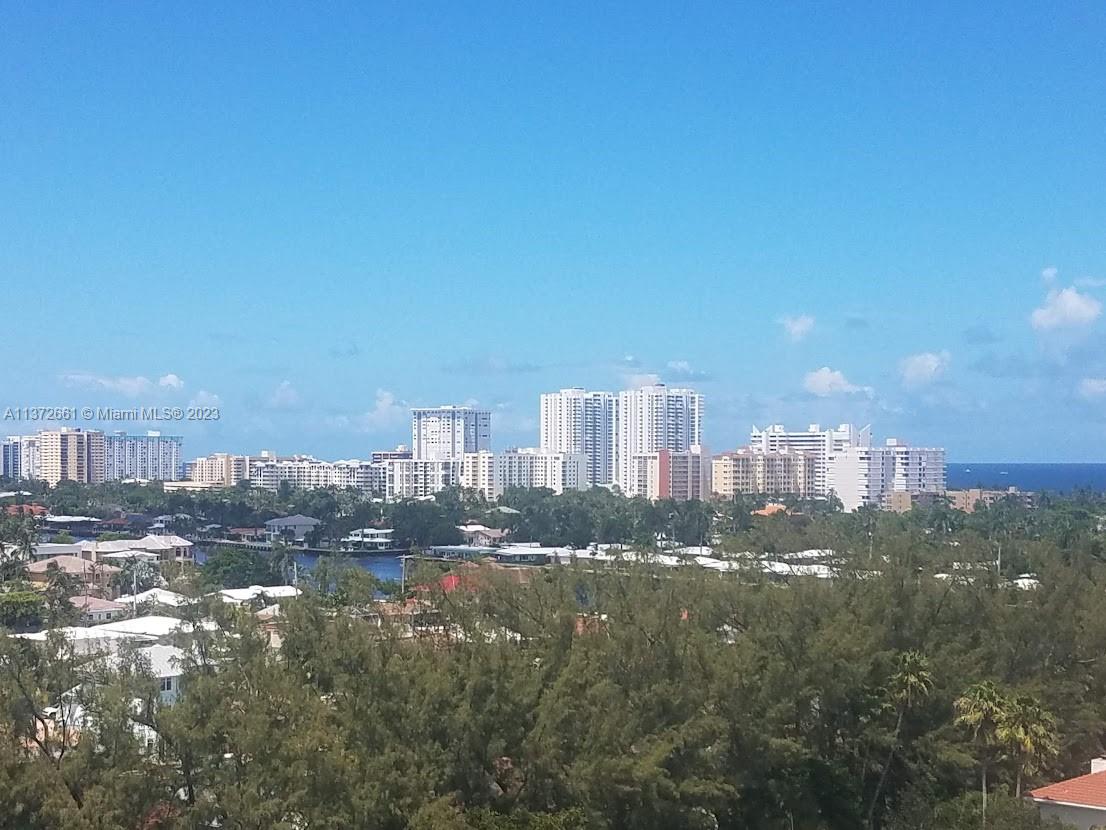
166, 684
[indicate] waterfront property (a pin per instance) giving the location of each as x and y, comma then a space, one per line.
290, 528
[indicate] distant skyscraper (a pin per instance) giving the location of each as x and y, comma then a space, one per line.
220, 469
19, 456
71, 455
575, 421
867, 476
150, 457
666, 474
11, 457
446, 433
651, 419
824, 444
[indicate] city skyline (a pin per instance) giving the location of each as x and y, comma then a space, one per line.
460, 429
647, 441
852, 215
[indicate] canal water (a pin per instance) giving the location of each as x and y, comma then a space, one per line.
382, 567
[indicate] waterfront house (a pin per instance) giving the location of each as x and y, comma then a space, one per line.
290, 528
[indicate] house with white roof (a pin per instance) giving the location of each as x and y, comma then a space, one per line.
368, 538
96, 639
152, 626
241, 596
155, 596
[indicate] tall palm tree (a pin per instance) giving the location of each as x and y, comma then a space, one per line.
911, 682
1028, 732
981, 709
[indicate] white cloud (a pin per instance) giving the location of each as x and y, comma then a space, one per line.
1090, 282
639, 380
129, 386
1048, 275
923, 368
205, 398
1092, 388
797, 327
387, 412
826, 382
1066, 308
284, 396
683, 370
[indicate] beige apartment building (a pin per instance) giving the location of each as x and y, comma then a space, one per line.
967, 500
219, 469
771, 473
69, 454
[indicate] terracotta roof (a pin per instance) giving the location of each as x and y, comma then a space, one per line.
71, 564
25, 509
771, 510
1086, 791
93, 604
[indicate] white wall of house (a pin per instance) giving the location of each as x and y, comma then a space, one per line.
1081, 818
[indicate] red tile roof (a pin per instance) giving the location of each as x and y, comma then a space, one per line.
1086, 790
25, 509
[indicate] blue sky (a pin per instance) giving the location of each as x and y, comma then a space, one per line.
318, 217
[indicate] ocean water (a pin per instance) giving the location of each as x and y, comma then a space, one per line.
1054, 477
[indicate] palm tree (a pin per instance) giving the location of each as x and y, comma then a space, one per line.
911, 682
1028, 732
981, 709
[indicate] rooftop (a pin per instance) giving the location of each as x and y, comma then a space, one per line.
291, 521
1084, 791
94, 604
71, 565
149, 626
255, 591
156, 595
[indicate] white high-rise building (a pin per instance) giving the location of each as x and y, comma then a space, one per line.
861, 476
478, 473
917, 469
446, 433
416, 478
534, 467
19, 457
150, 457
867, 476
307, 472
824, 444
655, 418
576, 421
492, 473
